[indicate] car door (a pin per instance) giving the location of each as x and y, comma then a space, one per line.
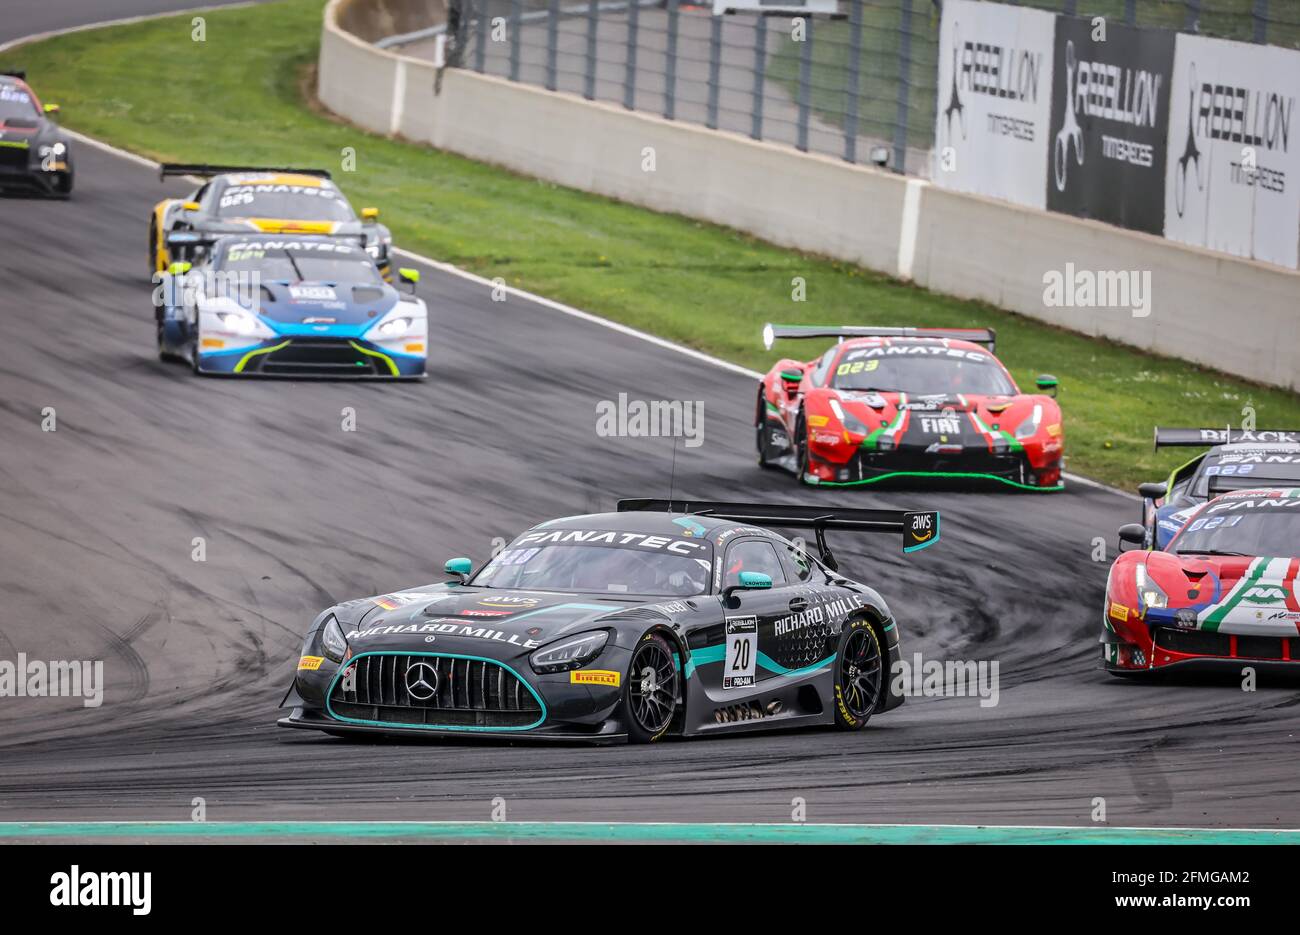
751, 616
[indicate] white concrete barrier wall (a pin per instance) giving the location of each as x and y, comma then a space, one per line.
1234, 315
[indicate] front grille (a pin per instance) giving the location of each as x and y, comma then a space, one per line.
1195, 642
14, 159
1260, 647
335, 358
867, 464
1210, 643
460, 692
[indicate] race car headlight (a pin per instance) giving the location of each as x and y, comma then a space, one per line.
394, 327
333, 640
1029, 427
850, 422
1150, 594
569, 654
237, 322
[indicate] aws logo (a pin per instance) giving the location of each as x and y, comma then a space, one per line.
509, 602
920, 530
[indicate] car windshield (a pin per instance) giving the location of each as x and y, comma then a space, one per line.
284, 203
1267, 527
1246, 470
599, 568
927, 374
323, 262
15, 103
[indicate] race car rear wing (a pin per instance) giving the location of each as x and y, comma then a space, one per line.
919, 530
1208, 438
206, 171
771, 333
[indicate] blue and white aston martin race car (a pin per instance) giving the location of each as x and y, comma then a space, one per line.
276, 305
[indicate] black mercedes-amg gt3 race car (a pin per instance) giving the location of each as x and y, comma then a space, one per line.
664, 618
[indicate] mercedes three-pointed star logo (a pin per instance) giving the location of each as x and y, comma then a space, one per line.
421, 681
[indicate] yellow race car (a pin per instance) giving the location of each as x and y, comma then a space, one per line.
240, 199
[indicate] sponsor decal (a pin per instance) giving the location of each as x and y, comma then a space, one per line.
484, 613
446, 627
634, 540
507, 600
740, 660
310, 663
994, 100
605, 677
833, 611
920, 530
1118, 611
402, 598
313, 294
1110, 114
1230, 183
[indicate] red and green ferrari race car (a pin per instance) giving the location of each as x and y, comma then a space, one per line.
888, 403
1223, 593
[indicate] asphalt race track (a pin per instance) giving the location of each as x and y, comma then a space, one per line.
98, 520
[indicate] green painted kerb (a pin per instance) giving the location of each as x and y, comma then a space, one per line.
600, 831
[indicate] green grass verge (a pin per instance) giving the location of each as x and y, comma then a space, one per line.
236, 98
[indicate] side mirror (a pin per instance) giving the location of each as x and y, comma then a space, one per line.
51, 109
1133, 534
749, 581
180, 268
192, 206
370, 215
409, 276
1153, 490
1047, 383
460, 567
792, 376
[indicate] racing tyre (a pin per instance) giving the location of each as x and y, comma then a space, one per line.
153, 248
859, 674
761, 430
650, 693
163, 355
801, 448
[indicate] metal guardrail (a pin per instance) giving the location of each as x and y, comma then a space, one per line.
860, 86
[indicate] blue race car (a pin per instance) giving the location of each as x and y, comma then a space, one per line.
275, 305
1235, 459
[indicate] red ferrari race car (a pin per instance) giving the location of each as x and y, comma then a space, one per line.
906, 402
1223, 591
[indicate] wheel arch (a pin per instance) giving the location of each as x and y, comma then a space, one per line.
678, 724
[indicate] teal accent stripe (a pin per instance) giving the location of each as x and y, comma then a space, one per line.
706, 654
612, 831
703, 656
